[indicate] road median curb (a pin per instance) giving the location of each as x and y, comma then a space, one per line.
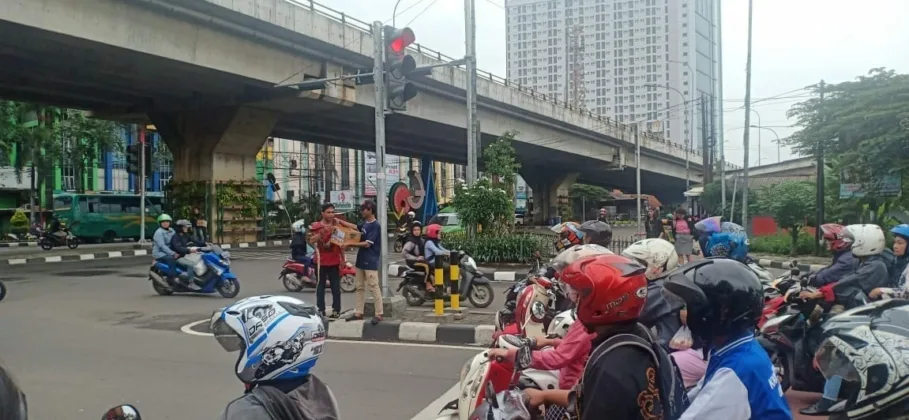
412, 332
137, 251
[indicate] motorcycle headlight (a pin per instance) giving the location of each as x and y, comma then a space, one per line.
537, 311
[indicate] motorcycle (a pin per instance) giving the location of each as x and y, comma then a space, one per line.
211, 273
762, 274
122, 412
482, 380
296, 276
48, 241
537, 305
401, 239
473, 284
786, 336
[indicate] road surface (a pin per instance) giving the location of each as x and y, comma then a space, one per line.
82, 337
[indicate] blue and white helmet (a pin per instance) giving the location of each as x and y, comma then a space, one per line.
278, 337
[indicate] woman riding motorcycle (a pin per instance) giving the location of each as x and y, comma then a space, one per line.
279, 340
413, 252
844, 262
898, 268
433, 247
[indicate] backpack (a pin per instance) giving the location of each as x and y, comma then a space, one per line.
673, 398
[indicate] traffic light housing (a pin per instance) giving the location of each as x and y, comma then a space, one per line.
132, 158
398, 65
148, 160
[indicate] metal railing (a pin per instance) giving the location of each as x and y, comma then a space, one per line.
436, 57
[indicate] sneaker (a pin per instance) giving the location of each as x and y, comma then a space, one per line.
376, 319
335, 315
819, 408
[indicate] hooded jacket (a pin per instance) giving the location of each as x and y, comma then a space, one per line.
844, 263
853, 290
306, 399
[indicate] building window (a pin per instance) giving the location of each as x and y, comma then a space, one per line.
67, 171
345, 169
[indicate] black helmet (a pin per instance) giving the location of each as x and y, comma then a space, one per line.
724, 297
867, 347
12, 400
596, 232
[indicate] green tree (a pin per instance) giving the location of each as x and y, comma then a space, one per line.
790, 203
861, 125
588, 197
484, 205
501, 164
82, 139
29, 131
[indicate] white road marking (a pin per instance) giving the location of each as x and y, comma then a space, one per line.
431, 412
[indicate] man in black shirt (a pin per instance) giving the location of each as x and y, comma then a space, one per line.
622, 379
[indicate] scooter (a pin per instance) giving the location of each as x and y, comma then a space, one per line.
473, 284
122, 412
49, 241
482, 379
401, 239
296, 275
787, 340
210, 274
537, 305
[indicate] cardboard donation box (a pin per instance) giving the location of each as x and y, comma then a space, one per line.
345, 236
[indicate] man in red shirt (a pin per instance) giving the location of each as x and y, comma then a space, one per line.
329, 258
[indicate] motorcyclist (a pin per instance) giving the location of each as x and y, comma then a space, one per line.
56, 229
409, 220
569, 236
899, 267
183, 244
161, 250
596, 232
282, 388
567, 355
724, 300
432, 248
844, 262
627, 376
853, 290
732, 245
413, 253
299, 249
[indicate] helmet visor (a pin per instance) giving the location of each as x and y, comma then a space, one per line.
226, 336
832, 362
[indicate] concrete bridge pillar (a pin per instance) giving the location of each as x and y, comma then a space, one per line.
217, 145
546, 187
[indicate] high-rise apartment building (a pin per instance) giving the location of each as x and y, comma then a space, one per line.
643, 61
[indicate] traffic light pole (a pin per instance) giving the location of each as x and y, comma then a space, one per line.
141, 179
381, 195
473, 141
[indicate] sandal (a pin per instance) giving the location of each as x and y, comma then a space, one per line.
376, 319
354, 317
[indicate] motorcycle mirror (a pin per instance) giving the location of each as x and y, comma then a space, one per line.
122, 412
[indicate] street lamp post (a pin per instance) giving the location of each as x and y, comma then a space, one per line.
778, 142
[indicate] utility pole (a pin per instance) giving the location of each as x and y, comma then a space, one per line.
819, 155
745, 139
381, 192
721, 135
705, 141
473, 143
637, 173
141, 179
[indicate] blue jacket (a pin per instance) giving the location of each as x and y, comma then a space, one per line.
737, 373
161, 243
844, 263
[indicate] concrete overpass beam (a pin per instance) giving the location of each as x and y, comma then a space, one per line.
546, 187
215, 145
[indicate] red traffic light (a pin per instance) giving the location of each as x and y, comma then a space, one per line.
399, 40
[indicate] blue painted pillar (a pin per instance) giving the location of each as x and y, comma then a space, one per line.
156, 175
131, 138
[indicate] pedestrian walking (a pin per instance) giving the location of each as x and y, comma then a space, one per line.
368, 259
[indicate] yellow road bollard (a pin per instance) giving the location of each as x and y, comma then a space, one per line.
439, 283
455, 279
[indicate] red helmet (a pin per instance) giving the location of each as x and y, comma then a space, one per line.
835, 236
612, 289
432, 231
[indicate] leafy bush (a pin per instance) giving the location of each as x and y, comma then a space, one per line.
484, 205
512, 248
781, 244
19, 222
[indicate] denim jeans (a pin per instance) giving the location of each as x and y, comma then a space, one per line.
832, 388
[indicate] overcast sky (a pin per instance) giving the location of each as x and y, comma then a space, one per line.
796, 43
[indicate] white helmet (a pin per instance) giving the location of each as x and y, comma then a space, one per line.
411, 214
658, 255
278, 337
867, 240
577, 252
298, 226
560, 324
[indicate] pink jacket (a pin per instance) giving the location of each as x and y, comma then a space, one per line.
568, 356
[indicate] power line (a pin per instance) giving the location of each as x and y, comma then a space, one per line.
421, 12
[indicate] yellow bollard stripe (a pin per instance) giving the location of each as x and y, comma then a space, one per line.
439, 281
